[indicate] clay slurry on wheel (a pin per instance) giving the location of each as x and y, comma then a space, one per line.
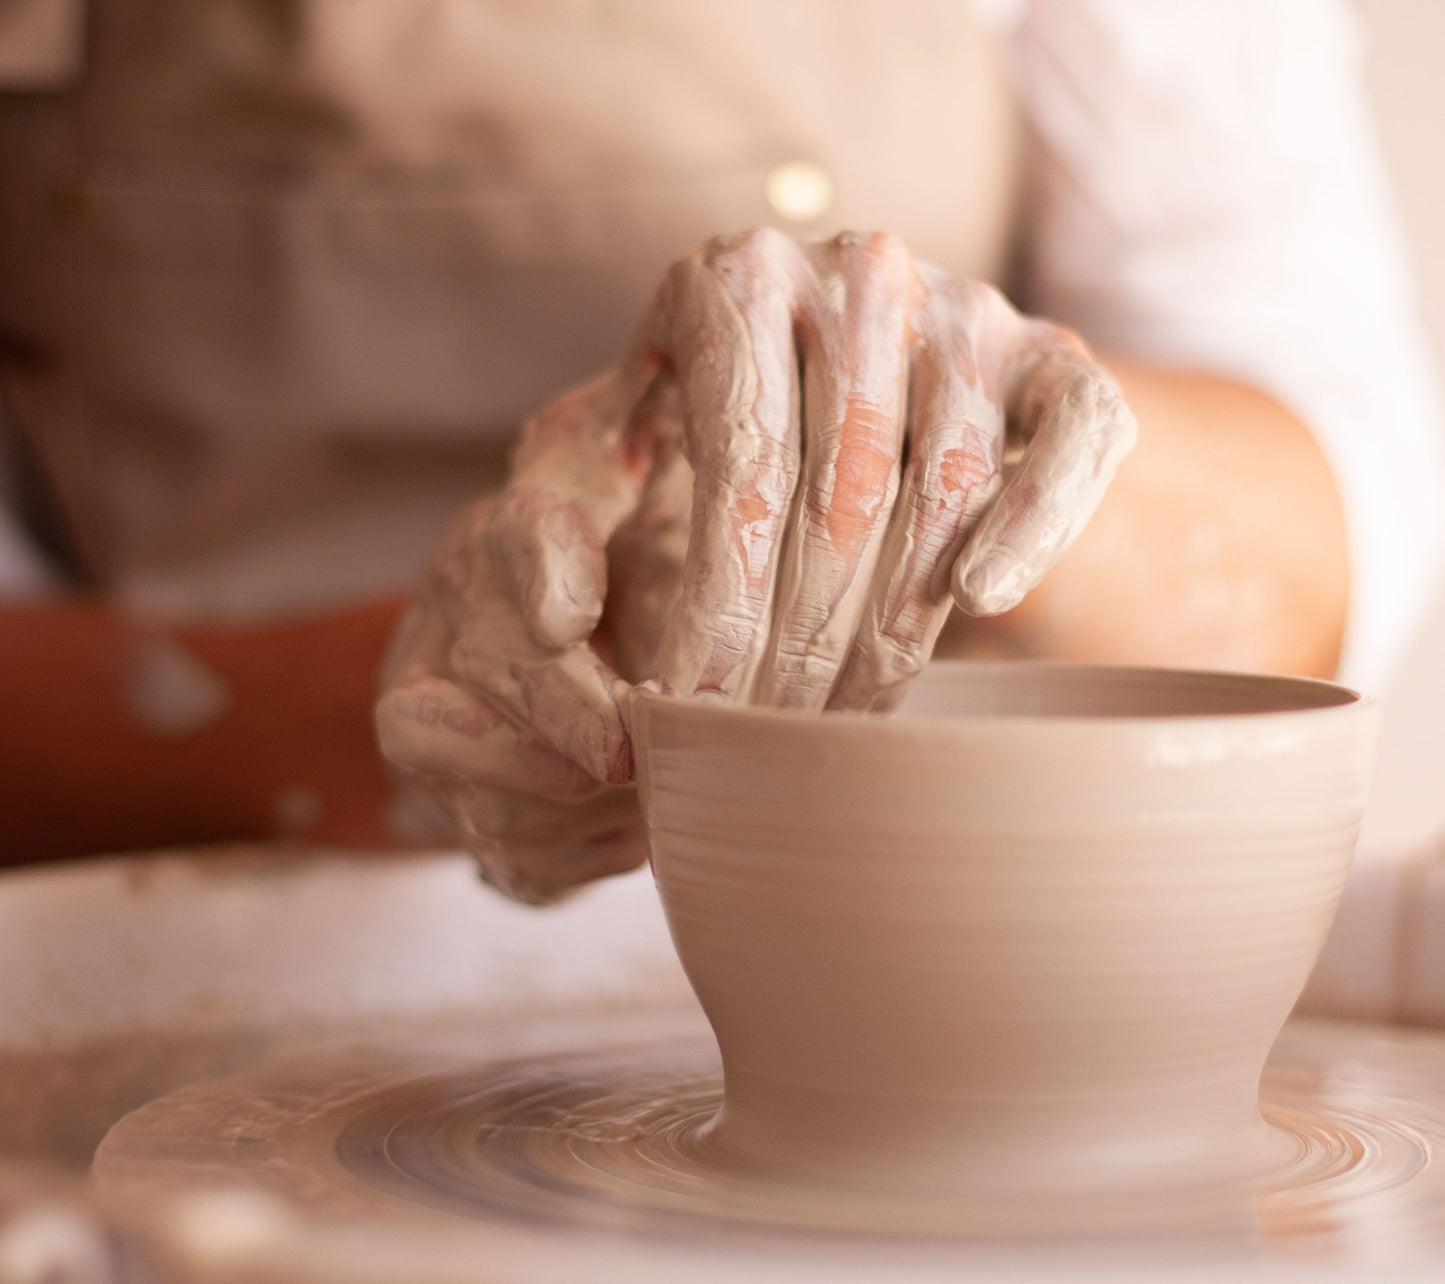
602, 1122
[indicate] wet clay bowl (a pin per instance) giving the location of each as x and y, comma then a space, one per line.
1038, 929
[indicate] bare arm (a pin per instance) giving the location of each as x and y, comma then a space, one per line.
79, 772
1220, 544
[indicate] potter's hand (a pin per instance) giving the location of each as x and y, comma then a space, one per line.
496, 696
817, 562
821, 559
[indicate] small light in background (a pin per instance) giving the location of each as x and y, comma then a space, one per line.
799, 190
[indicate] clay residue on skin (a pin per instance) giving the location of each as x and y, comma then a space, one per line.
724, 319
494, 694
891, 351
956, 434
865, 459
437, 726
792, 382
857, 320
1076, 431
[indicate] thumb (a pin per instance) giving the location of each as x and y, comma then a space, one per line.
579, 473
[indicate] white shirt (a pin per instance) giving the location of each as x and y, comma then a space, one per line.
1206, 192
1209, 194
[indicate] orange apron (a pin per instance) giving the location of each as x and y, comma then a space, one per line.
280, 278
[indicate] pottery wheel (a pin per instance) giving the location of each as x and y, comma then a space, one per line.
589, 1123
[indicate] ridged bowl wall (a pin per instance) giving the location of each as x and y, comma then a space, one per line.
1039, 928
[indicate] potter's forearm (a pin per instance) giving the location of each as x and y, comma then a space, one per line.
1221, 544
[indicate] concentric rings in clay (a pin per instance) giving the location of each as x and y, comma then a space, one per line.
1038, 931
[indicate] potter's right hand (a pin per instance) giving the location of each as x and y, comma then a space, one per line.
847, 413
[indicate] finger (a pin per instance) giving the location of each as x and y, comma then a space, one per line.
645, 562
570, 699
956, 436
431, 725
856, 377
537, 851
536, 572
724, 319
427, 723
578, 473
419, 646
416, 647
1076, 431
466, 626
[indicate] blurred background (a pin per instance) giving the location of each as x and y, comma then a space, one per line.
1407, 52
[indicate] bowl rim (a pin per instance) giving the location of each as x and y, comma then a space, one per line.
649, 696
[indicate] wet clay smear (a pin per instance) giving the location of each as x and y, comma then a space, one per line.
603, 1122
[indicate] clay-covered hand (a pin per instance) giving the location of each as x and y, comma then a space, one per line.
502, 692
847, 412
773, 499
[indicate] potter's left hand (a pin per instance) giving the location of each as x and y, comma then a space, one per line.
847, 412
502, 696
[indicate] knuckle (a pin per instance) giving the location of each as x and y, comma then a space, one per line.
1118, 418
843, 516
902, 627
984, 295
451, 559
760, 252
880, 253
962, 307
958, 470
534, 527
895, 649
816, 506
898, 654
764, 466
870, 423
1052, 339
808, 658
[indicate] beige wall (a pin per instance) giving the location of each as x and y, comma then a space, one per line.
1407, 74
